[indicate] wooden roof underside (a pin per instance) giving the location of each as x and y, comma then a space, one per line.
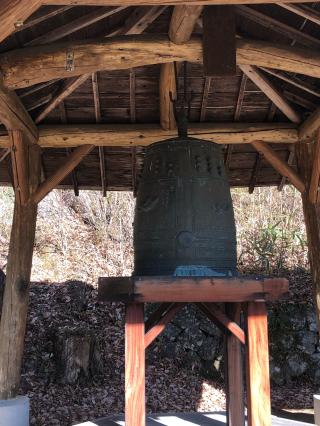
131, 96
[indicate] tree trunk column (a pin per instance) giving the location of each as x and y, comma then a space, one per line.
16, 293
304, 154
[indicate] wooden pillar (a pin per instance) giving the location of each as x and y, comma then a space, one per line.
135, 365
258, 381
304, 155
235, 394
16, 294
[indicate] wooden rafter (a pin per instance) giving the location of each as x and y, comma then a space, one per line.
13, 13
181, 26
51, 182
205, 95
278, 26
4, 154
128, 135
74, 26
138, 23
255, 172
310, 127
41, 17
155, 2
20, 69
139, 20
283, 178
271, 92
281, 166
304, 13
315, 175
294, 81
97, 111
299, 100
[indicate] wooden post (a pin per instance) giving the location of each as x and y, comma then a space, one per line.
235, 394
258, 381
304, 155
135, 366
16, 294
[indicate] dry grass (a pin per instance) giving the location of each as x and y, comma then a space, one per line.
87, 236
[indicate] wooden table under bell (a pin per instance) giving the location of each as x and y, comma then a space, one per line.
247, 295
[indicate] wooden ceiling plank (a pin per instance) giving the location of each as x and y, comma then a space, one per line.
279, 27
128, 135
294, 81
271, 92
304, 13
309, 128
74, 26
29, 66
205, 95
42, 17
281, 166
182, 22
63, 171
315, 175
13, 13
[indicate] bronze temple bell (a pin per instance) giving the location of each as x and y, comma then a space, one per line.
184, 222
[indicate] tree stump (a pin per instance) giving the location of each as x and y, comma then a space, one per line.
77, 356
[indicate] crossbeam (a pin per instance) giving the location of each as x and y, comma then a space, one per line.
193, 289
28, 66
130, 135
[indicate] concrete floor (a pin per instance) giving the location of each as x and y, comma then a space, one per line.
190, 419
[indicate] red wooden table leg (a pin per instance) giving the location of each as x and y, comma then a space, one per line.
258, 381
135, 366
235, 393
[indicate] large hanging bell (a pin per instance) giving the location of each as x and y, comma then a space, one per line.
184, 222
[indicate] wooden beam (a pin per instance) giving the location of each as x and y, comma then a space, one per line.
156, 315
16, 293
132, 83
240, 98
294, 81
190, 289
68, 136
73, 160
258, 381
300, 100
134, 365
160, 326
219, 41
304, 13
255, 172
315, 175
153, 2
310, 127
182, 22
271, 92
283, 178
4, 154
13, 13
29, 66
205, 95
19, 159
278, 26
14, 115
74, 26
280, 165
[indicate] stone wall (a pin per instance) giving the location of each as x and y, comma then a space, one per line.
294, 347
